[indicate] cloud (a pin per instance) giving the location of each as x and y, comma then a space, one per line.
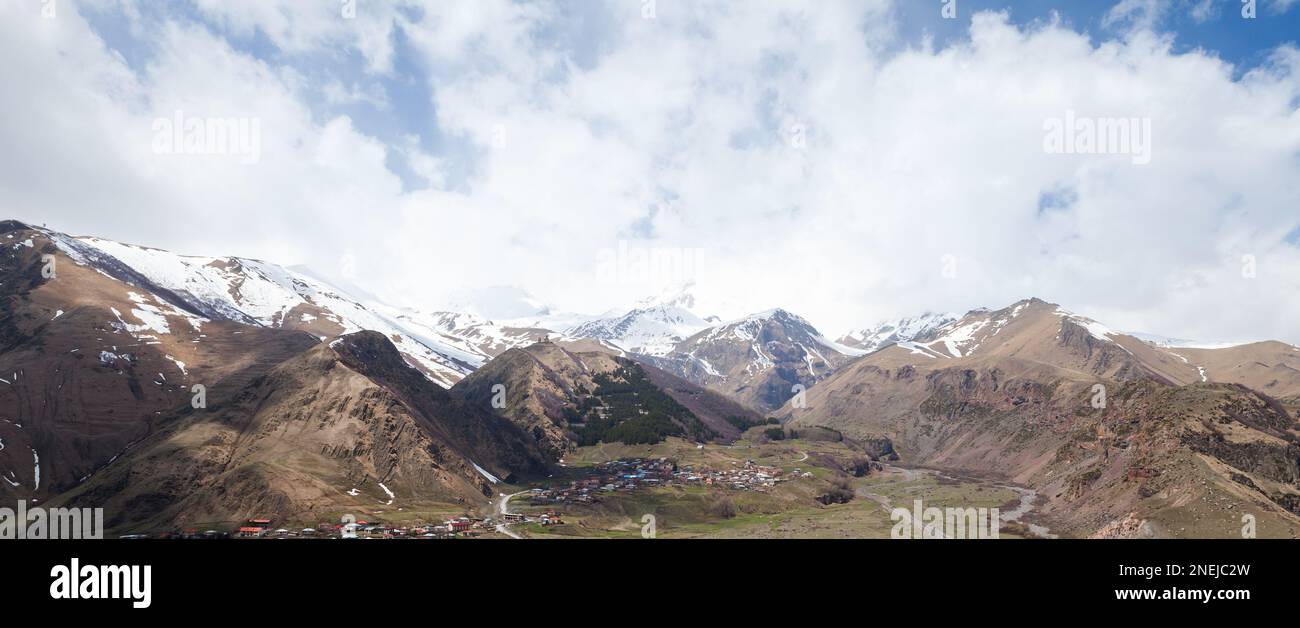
1138, 14
339, 94
1204, 10
1280, 7
776, 154
298, 27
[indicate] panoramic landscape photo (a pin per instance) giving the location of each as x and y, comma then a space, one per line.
632, 269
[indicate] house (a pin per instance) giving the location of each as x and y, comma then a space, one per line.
250, 532
372, 532
459, 525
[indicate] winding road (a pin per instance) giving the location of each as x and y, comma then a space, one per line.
503, 508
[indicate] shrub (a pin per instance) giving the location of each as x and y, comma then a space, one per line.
841, 493
860, 466
723, 507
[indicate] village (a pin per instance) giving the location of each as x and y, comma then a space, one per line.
635, 473
465, 526
605, 479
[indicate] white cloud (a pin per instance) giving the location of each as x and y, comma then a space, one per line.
776, 142
336, 93
1203, 10
307, 27
1139, 14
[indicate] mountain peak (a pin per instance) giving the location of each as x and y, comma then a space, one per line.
676, 296
758, 359
897, 330
12, 225
650, 329
777, 314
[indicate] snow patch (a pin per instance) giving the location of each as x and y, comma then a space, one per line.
491, 478
920, 349
180, 365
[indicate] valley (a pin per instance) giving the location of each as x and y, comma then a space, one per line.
789, 508
198, 393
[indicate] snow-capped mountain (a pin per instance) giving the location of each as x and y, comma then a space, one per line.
1181, 343
1090, 417
758, 359
652, 328
895, 331
105, 345
119, 338
254, 292
469, 332
980, 328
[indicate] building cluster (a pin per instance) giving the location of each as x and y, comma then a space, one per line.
748, 477
608, 477
548, 518
634, 473
464, 526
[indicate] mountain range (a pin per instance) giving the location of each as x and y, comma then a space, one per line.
1117, 432
181, 390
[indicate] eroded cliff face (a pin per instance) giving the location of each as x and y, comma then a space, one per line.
92, 364
313, 438
538, 383
1181, 461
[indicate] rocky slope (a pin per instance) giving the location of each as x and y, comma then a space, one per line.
1108, 429
547, 389
91, 363
1271, 367
103, 370
339, 428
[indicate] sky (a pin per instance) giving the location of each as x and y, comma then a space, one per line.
1137, 161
